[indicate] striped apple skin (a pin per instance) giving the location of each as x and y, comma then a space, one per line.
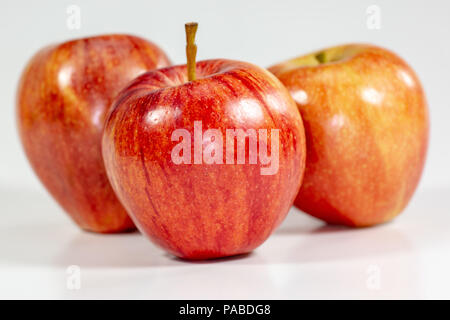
63, 96
203, 211
367, 129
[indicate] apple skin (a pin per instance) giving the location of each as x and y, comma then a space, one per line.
202, 211
63, 97
366, 124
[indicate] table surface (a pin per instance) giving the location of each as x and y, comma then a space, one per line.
304, 258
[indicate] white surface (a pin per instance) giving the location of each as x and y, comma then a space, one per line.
304, 259
408, 258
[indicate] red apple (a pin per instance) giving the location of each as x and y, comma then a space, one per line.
366, 124
62, 100
205, 200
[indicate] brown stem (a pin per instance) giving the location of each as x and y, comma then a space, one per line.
191, 48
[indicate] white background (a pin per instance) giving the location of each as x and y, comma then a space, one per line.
304, 259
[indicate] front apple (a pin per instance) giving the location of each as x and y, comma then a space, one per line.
63, 96
208, 167
366, 124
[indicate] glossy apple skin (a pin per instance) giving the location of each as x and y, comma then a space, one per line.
202, 211
366, 124
62, 100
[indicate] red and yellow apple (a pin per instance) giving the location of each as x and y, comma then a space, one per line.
209, 204
366, 125
64, 94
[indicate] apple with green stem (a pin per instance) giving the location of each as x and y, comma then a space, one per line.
366, 124
64, 94
206, 157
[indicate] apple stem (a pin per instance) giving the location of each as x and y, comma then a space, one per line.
191, 49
